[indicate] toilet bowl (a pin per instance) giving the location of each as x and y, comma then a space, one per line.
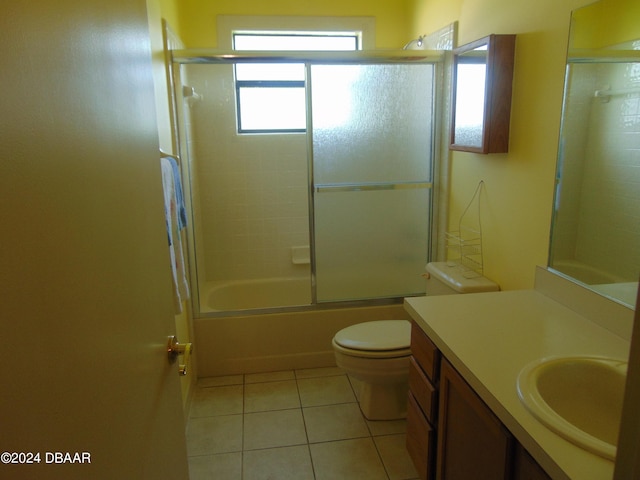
376, 354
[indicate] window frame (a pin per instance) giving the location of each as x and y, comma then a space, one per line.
239, 85
362, 29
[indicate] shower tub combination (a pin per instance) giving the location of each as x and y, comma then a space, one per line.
254, 341
370, 217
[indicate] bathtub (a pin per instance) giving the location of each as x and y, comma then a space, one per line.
585, 273
607, 284
256, 294
229, 341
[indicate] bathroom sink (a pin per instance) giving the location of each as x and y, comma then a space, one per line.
579, 398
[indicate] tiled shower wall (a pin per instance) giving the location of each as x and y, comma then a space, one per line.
599, 224
253, 189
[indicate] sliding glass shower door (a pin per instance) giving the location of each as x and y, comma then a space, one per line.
371, 139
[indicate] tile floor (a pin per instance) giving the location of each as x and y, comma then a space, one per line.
298, 425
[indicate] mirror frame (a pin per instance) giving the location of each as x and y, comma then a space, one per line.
497, 95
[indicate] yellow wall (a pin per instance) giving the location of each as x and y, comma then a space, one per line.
607, 23
516, 204
170, 10
198, 17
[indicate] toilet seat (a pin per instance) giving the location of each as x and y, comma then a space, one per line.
377, 339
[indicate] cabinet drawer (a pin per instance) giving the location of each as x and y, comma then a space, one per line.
421, 441
425, 353
423, 391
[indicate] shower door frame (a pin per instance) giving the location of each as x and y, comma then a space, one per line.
436, 58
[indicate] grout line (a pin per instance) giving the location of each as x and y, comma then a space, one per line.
301, 408
242, 428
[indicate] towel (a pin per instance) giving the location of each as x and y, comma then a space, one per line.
176, 220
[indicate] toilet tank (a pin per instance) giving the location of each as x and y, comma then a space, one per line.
446, 278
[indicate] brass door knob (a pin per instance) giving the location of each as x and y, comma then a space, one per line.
175, 349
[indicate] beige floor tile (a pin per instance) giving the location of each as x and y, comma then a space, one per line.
356, 385
334, 422
325, 391
260, 397
269, 377
393, 450
209, 467
318, 372
387, 427
285, 463
211, 401
209, 435
280, 428
221, 381
347, 460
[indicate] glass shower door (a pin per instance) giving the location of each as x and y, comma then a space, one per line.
372, 172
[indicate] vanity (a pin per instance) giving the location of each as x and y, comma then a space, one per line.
466, 419
530, 384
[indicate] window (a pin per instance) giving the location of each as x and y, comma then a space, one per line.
271, 97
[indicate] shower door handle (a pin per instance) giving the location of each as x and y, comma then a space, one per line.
175, 349
366, 187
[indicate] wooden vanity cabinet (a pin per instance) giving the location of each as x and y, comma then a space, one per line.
422, 409
472, 443
526, 468
451, 433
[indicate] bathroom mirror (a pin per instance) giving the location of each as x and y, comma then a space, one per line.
595, 236
482, 79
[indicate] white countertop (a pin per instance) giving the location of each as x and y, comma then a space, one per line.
490, 337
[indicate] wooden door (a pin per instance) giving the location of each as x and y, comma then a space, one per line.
86, 308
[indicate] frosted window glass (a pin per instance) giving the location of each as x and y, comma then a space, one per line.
372, 123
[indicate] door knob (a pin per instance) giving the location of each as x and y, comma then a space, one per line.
175, 349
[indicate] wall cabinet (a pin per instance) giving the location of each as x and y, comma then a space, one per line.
482, 79
451, 433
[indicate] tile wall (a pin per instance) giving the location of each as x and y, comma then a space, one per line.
601, 171
253, 189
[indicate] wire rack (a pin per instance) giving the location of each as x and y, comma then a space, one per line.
464, 246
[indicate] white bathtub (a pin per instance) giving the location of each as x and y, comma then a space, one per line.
585, 273
608, 284
229, 342
269, 342
256, 294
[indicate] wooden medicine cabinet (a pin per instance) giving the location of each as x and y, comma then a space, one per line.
482, 83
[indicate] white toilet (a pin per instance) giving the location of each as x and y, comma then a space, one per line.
376, 354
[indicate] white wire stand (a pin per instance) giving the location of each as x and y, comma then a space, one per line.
464, 246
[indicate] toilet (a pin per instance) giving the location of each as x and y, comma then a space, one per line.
376, 354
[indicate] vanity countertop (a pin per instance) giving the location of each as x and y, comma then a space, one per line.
490, 337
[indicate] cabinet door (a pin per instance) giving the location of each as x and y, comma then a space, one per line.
526, 468
472, 442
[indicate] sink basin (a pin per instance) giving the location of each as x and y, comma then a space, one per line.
579, 398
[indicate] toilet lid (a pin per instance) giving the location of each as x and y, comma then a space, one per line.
379, 335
